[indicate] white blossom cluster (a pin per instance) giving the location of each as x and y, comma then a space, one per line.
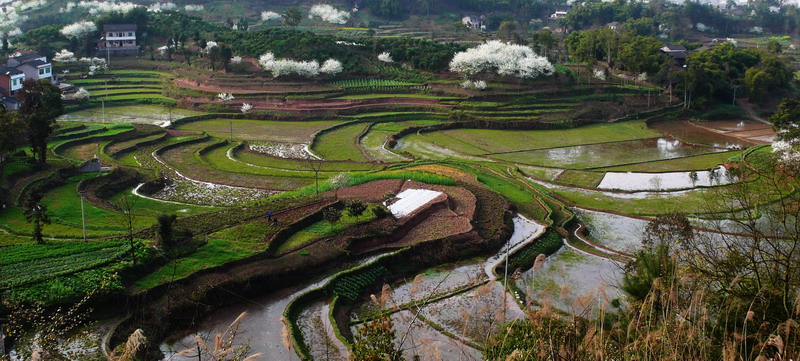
477, 84
81, 94
599, 74
340, 42
159, 7
503, 59
385, 57
703, 27
100, 7
10, 20
211, 44
65, 56
756, 30
329, 14
246, 108
194, 7
786, 152
95, 64
79, 29
732, 41
236, 59
225, 97
270, 16
280, 67
642, 77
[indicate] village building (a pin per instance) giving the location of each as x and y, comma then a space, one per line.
33, 65
676, 52
118, 40
474, 22
561, 12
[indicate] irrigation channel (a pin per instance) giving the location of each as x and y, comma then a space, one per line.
444, 291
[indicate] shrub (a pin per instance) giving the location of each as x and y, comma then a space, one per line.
356, 208
380, 211
331, 215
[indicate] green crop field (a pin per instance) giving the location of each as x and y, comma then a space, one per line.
258, 130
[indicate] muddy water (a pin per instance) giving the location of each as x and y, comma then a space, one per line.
633, 181
609, 154
261, 328
727, 134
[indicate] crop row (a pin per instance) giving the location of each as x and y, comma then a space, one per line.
359, 83
351, 286
33, 270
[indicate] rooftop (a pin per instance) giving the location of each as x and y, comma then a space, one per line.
6, 70
27, 57
119, 27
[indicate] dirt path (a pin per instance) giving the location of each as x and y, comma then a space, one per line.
748, 108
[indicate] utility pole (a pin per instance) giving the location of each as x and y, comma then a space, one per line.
231, 125
83, 213
103, 103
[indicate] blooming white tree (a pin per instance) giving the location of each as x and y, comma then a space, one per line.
732, 41
225, 97
503, 59
756, 30
100, 7
703, 27
81, 94
642, 77
385, 57
246, 108
478, 84
211, 44
270, 16
236, 59
65, 56
599, 74
280, 67
331, 66
95, 64
194, 7
79, 29
329, 14
787, 152
159, 7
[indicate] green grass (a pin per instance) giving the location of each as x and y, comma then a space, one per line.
581, 178
324, 228
259, 130
214, 253
149, 114
149, 80
64, 207
132, 97
251, 234
339, 143
97, 93
378, 96
472, 141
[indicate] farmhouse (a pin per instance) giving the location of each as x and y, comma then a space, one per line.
33, 65
561, 12
677, 52
118, 40
474, 22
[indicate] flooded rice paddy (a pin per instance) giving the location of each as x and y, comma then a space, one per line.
633, 181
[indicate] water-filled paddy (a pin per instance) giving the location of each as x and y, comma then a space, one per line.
632, 181
608, 154
718, 133
143, 114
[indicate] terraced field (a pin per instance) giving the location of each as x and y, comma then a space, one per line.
279, 189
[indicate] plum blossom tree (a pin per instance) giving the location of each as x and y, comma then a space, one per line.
329, 14
331, 66
477, 84
270, 16
81, 94
385, 57
503, 59
246, 108
599, 74
65, 56
191, 7
225, 96
79, 29
280, 67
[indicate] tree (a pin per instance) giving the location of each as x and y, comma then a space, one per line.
774, 47
785, 119
165, 230
315, 165
375, 342
508, 31
543, 40
356, 208
331, 215
126, 205
40, 105
292, 17
35, 212
12, 128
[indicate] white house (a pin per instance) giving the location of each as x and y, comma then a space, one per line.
474, 22
118, 40
34, 66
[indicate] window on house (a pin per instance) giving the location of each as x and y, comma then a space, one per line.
41, 71
47, 70
130, 34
